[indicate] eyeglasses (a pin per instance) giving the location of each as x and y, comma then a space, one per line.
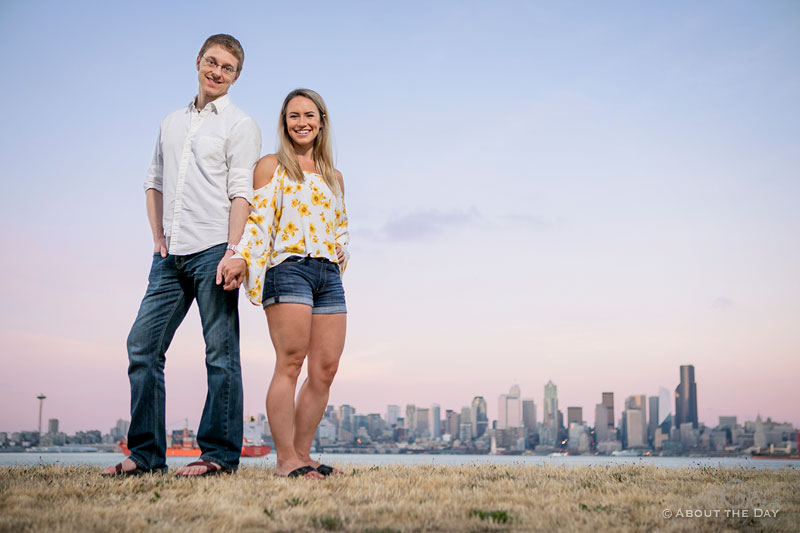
226, 69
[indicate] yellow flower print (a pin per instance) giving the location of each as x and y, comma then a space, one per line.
322, 217
295, 202
254, 232
326, 204
291, 228
331, 247
298, 187
297, 248
284, 236
312, 228
315, 239
253, 293
303, 210
263, 203
329, 228
259, 242
256, 197
287, 189
316, 198
261, 261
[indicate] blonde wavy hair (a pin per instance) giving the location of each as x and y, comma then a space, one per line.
323, 150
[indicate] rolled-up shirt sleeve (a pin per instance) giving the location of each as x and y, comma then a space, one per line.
243, 151
155, 174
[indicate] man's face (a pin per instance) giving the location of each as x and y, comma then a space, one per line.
217, 70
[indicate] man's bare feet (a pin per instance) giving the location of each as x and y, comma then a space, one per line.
283, 469
127, 466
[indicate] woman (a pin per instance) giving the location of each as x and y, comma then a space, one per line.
297, 233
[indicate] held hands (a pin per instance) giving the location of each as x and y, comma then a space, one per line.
160, 246
231, 271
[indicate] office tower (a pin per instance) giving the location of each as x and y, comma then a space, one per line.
608, 401
479, 417
665, 418
346, 413
652, 420
729, 422
638, 401
635, 428
453, 422
528, 414
549, 430
392, 414
601, 431
686, 398
52, 426
466, 431
574, 415
423, 423
411, 419
374, 425
509, 412
435, 422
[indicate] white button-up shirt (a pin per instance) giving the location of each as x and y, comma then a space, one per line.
203, 160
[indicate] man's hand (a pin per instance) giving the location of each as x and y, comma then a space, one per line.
231, 271
161, 246
339, 254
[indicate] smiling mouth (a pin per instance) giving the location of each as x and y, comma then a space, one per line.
302, 132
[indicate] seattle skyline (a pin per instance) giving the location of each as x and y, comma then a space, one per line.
587, 194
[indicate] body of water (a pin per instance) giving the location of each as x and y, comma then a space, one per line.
348, 460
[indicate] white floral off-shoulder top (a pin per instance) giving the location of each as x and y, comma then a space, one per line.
288, 218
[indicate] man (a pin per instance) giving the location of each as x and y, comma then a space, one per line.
198, 191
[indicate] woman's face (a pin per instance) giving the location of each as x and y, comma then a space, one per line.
302, 121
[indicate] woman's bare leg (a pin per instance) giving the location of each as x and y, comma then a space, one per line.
324, 351
290, 331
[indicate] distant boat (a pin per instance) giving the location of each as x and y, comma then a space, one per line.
187, 447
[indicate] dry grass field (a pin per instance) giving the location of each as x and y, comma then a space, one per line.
405, 499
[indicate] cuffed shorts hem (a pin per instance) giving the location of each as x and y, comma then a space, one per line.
329, 310
288, 299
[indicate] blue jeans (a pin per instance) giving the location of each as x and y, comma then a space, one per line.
174, 282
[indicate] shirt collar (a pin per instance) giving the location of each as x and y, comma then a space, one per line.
217, 106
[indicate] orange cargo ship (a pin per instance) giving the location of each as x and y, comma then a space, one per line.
187, 447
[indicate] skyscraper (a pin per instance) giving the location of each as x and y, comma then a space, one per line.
435, 421
509, 409
529, 414
549, 431
601, 431
652, 419
686, 398
411, 419
479, 418
574, 414
665, 421
392, 414
608, 401
423, 424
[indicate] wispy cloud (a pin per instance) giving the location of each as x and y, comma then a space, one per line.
722, 302
427, 224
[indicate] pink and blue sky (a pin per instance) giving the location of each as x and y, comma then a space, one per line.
583, 193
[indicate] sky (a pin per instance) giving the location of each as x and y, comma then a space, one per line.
592, 194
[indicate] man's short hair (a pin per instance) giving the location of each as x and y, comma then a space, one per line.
229, 43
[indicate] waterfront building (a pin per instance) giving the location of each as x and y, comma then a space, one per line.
601, 431
529, 414
509, 409
686, 398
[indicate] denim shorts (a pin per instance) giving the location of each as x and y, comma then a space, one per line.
305, 280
